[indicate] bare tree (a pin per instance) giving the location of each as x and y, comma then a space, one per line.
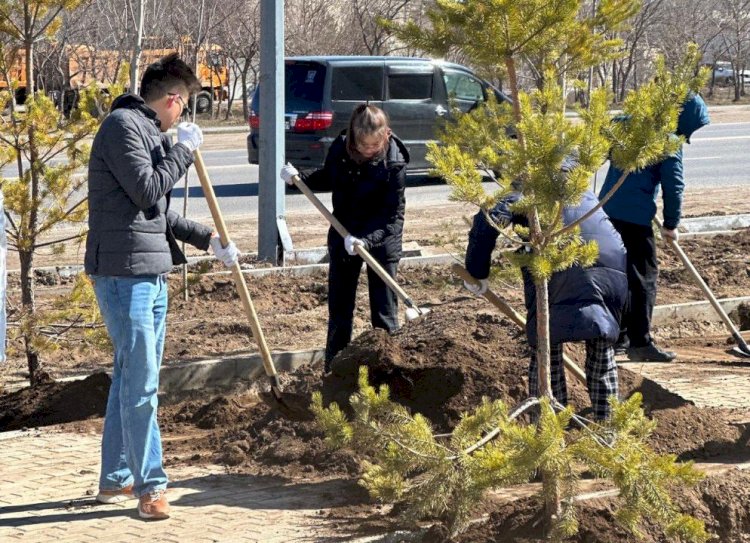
239, 37
376, 39
732, 17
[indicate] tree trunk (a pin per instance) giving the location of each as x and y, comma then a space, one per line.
552, 506
245, 97
29, 67
135, 59
542, 338
29, 309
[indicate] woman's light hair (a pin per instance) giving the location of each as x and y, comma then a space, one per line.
367, 121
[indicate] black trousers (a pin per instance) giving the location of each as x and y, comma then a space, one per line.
343, 276
643, 272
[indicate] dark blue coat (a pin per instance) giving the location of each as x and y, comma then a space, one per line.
635, 200
585, 303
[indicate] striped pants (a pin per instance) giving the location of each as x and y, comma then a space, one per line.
601, 375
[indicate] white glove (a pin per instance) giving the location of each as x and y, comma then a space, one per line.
288, 172
190, 135
666, 233
228, 255
350, 242
477, 289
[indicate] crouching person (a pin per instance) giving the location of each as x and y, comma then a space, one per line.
585, 303
131, 246
365, 170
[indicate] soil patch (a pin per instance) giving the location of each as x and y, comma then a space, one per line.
55, 403
439, 366
741, 316
293, 310
723, 261
519, 521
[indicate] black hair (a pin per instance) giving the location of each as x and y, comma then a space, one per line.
165, 76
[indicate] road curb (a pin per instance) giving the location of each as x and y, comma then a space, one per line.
694, 311
222, 373
716, 223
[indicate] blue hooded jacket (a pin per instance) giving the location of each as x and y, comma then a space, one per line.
635, 200
585, 303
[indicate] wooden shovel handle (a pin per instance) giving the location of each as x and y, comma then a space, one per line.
361, 251
239, 278
511, 313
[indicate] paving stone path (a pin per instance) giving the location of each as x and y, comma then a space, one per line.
48, 481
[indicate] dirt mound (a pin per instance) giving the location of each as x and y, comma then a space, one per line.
741, 316
440, 365
686, 430
519, 521
55, 403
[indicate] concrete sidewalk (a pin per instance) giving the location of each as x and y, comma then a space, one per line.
48, 481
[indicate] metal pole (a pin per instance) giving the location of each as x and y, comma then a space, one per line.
271, 191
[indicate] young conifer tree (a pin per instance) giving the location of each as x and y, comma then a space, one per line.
47, 151
525, 144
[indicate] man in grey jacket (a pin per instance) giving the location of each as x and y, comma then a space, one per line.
131, 246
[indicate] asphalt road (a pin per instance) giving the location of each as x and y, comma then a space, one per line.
717, 156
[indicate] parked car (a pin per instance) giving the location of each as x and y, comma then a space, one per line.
724, 75
321, 93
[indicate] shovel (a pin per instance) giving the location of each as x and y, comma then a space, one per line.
513, 315
292, 406
412, 311
742, 349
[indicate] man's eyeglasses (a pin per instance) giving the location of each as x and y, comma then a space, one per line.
180, 98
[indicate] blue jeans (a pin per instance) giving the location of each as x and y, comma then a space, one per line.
134, 310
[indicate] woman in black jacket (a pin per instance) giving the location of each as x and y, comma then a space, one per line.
365, 169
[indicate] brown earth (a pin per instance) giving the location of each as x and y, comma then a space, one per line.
55, 403
440, 366
293, 310
710, 501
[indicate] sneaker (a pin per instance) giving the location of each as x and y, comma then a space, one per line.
116, 496
154, 505
650, 353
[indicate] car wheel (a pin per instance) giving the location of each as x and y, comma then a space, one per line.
202, 102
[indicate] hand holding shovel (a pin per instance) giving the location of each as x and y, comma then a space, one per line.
511, 313
412, 310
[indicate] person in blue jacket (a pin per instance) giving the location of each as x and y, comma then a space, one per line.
632, 209
585, 303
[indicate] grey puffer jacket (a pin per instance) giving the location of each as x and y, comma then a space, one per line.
132, 170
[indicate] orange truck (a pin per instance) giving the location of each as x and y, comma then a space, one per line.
13, 69
86, 64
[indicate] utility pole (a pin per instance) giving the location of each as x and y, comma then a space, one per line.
273, 237
135, 59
